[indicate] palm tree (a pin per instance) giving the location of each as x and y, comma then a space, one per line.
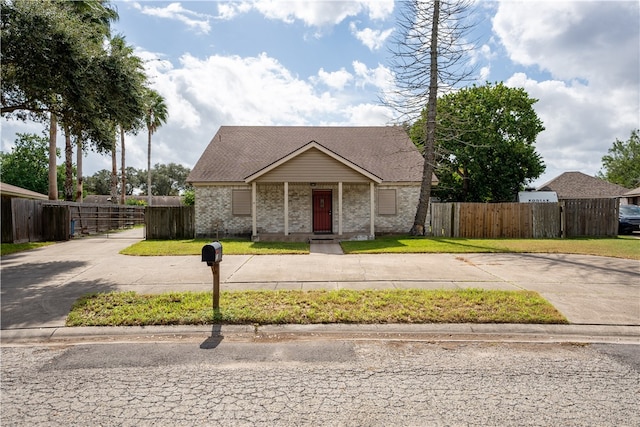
155, 115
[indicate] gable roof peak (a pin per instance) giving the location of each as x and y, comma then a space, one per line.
238, 152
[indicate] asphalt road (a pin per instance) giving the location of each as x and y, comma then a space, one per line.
325, 375
320, 383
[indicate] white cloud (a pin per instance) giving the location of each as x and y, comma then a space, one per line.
594, 41
379, 77
590, 49
175, 11
484, 74
205, 93
227, 11
580, 125
379, 9
335, 80
373, 39
313, 13
368, 115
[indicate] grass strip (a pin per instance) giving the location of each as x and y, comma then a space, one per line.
619, 247
229, 247
308, 307
12, 248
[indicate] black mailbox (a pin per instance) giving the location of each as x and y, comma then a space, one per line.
212, 253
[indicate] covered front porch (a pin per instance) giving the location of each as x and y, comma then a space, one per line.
312, 211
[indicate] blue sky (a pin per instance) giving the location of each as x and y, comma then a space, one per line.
271, 62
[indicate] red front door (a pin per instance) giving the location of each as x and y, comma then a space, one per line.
322, 211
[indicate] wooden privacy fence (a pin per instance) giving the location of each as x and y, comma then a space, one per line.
35, 220
590, 217
567, 218
170, 222
25, 220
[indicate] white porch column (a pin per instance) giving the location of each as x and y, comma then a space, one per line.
254, 216
340, 209
372, 214
286, 208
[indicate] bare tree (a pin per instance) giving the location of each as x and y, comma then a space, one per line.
430, 55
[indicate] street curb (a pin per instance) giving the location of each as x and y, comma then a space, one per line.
618, 334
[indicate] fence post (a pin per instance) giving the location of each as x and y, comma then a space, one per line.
563, 219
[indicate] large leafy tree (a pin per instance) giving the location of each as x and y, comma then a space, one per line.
55, 66
430, 53
98, 183
622, 162
169, 180
43, 44
155, 115
485, 143
27, 165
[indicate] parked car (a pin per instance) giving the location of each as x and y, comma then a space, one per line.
628, 219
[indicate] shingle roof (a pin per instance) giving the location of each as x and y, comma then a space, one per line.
633, 193
14, 191
236, 152
577, 185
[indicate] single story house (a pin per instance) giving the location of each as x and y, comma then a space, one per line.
633, 196
19, 214
9, 191
577, 185
301, 182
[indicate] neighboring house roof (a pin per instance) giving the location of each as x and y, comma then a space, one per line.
633, 193
577, 185
14, 191
245, 153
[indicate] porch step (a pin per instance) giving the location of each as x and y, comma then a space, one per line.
308, 237
323, 240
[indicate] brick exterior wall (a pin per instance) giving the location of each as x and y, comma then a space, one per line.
213, 212
213, 208
406, 204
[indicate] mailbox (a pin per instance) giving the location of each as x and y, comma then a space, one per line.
212, 253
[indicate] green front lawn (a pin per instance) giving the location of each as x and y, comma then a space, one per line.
620, 247
306, 307
229, 247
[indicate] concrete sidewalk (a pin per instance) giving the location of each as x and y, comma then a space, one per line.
39, 286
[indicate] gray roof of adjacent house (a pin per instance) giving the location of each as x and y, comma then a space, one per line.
238, 153
633, 193
14, 191
577, 185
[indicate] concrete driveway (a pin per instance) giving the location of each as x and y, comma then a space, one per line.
38, 287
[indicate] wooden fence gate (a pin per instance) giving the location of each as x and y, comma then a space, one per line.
25, 220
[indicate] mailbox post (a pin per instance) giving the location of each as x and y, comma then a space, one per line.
212, 255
